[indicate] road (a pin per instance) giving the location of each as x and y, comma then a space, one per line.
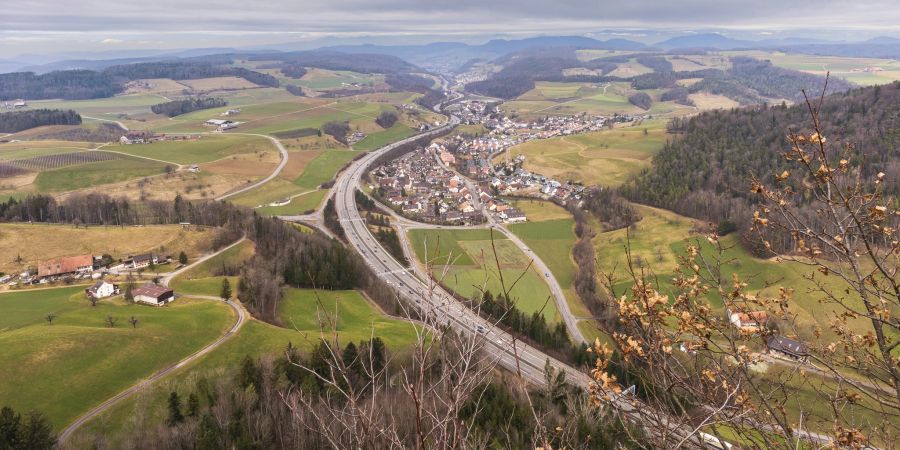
241, 317
559, 297
278, 169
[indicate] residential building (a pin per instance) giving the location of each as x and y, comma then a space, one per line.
102, 289
67, 265
787, 347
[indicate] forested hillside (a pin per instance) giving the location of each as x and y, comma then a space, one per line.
179, 107
12, 122
705, 172
67, 85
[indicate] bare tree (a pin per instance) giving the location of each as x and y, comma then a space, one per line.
111, 321
133, 321
49, 318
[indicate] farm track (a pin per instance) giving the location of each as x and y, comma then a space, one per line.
241, 315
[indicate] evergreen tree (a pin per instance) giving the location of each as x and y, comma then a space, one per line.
36, 433
208, 434
226, 289
175, 416
182, 258
193, 405
10, 423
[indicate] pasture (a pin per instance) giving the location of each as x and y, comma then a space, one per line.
82, 176
657, 241
564, 98
298, 205
550, 234
464, 261
206, 277
29, 243
608, 157
862, 71
299, 312
195, 151
65, 368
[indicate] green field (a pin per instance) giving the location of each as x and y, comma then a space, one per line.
201, 280
65, 368
381, 138
324, 168
563, 98
608, 157
549, 232
346, 312
298, 312
275, 189
298, 205
30, 149
862, 71
464, 261
94, 174
205, 149
662, 236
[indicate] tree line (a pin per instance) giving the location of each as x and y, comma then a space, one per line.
87, 84
179, 107
15, 121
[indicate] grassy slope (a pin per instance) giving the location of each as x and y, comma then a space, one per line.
356, 316
473, 268
94, 174
606, 157
34, 242
208, 148
65, 368
201, 279
298, 205
384, 137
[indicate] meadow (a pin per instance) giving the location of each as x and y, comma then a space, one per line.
33, 242
608, 157
202, 279
298, 205
661, 238
65, 368
94, 174
862, 71
206, 149
572, 98
464, 261
357, 319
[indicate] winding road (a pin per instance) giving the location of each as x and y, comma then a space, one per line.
241, 317
271, 176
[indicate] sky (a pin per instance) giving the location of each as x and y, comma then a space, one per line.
67, 26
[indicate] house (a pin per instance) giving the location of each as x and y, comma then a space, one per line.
787, 347
67, 265
137, 137
217, 122
153, 294
102, 289
141, 261
19, 103
514, 215
231, 112
750, 321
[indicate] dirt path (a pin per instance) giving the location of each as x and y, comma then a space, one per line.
241, 317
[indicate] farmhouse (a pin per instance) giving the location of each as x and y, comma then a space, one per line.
750, 321
514, 215
67, 265
102, 289
153, 294
787, 347
141, 261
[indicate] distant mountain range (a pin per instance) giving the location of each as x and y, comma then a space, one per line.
447, 56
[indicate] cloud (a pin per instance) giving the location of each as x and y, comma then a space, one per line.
236, 23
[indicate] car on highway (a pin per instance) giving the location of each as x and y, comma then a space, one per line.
481, 329
547, 274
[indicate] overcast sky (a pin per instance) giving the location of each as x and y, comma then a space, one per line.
42, 26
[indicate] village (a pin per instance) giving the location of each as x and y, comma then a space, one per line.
454, 180
102, 269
